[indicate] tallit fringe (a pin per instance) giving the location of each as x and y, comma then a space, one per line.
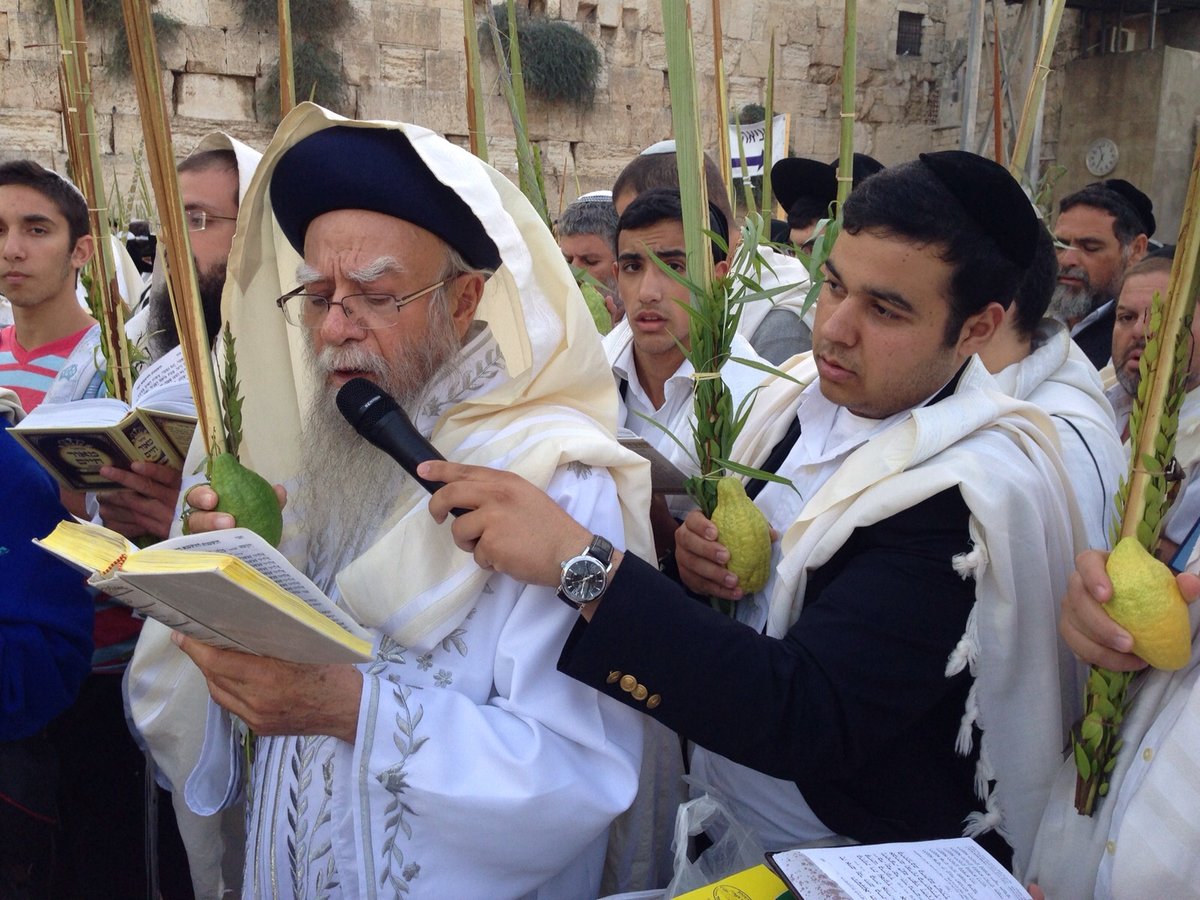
972, 563
965, 740
966, 651
984, 775
978, 823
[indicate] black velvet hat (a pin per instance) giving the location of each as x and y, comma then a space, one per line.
794, 178
1142, 205
992, 199
376, 170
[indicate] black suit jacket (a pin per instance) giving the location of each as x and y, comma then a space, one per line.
852, 704
1096, 339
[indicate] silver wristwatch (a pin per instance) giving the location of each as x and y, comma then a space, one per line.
585, 577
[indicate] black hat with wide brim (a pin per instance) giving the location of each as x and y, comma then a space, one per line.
795, 178
378, 170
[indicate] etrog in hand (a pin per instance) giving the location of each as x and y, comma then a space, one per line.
246, 496
744, 531
1146, 602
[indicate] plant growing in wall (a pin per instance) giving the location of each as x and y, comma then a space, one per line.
316, 65
559, 63
106, 15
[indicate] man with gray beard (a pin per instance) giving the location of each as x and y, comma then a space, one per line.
1101, 231
458, 762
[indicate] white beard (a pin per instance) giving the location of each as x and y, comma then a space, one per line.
347, 486
1072, 303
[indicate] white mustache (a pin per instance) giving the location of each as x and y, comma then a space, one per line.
332, 359
1077, 272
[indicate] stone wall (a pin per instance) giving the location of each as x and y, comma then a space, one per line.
405, 61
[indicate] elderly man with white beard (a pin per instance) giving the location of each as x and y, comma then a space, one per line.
458, 762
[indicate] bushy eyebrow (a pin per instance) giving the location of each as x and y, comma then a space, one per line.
306, 274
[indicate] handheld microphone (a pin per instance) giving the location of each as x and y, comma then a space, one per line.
377, 417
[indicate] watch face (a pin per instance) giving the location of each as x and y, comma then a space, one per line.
584, 579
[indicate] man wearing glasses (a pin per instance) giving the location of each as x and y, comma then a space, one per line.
458, 762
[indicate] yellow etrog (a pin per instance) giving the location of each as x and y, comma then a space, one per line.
246, 496
1146, 602
744, 531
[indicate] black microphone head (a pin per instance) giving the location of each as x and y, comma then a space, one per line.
363, 403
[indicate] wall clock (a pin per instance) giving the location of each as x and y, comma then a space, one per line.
1102, 156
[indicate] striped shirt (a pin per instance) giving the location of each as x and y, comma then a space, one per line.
31, 372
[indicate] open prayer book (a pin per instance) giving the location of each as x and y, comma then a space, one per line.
73, 440
230, 589
953, 869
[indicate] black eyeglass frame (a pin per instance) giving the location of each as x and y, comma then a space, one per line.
400, 302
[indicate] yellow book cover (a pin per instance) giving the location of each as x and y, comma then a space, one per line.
757, 883
227, 588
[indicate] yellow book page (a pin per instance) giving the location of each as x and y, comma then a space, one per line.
151, 561
87, 545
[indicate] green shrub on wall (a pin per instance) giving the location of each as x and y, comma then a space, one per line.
106, 14
316, 65
559, 63
318, 73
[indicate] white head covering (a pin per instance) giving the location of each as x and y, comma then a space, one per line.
247, 157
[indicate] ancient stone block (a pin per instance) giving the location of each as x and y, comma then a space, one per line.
446, 72
608, 13
401, 66
246, 48
626, 48
205, 49
30, 133
639, 88
360, 61
654, 51
4, 40
407, 25
222, 97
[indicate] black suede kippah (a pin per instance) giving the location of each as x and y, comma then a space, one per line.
1141, 204
992, 199
794, 178
376, 170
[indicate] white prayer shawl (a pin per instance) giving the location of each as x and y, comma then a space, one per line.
1060, 380
1003, 456
780, 269
1144, 838
82, 374
544, 400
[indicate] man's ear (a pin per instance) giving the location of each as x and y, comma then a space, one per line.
468, 291
721, 268
1138, 248
83, 250
980, 328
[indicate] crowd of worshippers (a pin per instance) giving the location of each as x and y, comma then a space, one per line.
947, 426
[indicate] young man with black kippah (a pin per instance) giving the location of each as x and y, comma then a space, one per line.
900, 676
1101, 231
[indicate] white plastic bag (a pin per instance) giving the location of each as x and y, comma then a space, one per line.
733, 849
